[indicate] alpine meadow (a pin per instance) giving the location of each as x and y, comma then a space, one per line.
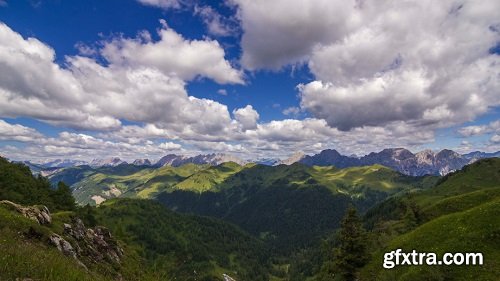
249, 140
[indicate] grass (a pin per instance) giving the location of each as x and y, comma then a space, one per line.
145, 182
473, 230
21, 257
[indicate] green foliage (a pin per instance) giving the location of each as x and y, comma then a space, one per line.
24, 252
17, 184
90, 185
459, 214
473, 230
177, 245
289, 207
351, 253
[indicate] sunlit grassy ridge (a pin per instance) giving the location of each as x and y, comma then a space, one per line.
474, 230
210, 178
97, 185
460, 214
91, 184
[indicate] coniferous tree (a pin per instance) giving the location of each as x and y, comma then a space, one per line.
351, 253
63, 198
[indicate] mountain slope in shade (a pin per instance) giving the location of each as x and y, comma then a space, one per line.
142, 162
402, 160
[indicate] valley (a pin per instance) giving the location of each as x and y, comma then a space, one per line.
259, 222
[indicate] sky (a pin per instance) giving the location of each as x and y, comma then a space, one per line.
253, 78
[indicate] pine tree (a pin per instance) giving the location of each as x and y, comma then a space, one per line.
351, 253
63, 198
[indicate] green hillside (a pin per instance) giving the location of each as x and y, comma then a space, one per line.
289, 207
209, 179
459, 214
475, 184
284, 221
165, 246
178, 245
474, 230
95, 185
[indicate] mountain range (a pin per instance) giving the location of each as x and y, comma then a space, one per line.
426, 162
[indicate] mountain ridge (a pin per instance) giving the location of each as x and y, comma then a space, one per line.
425, 162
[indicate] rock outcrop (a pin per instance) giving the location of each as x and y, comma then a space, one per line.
95, 244
40, 214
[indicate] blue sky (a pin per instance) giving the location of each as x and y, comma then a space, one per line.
135, 79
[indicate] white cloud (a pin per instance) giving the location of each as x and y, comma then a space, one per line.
247, 117
291, 111
280, 32
426, 63
215, 23
80, 95
164, 4
16, 132
170, 146
468, 131
219, 147
222, 92
173, 55
495, 139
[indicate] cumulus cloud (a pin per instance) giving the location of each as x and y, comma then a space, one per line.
475, 130
170, 146
247, 117
495, 139
291, 111
173, 55
426, 63
16, 132
277, 33
443, 73
215, 23
80, 94
78, 146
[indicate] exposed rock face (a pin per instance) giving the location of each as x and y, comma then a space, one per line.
62, 245
211, 159
110, 162
95, 243
40, 214
142, 162
296, 157
402, 160
227, 277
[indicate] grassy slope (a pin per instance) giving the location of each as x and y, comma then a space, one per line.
23, 258
479, 176
147, 182
209, 179
123, 181
473, 230
462, 214
289, 207
26, 253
